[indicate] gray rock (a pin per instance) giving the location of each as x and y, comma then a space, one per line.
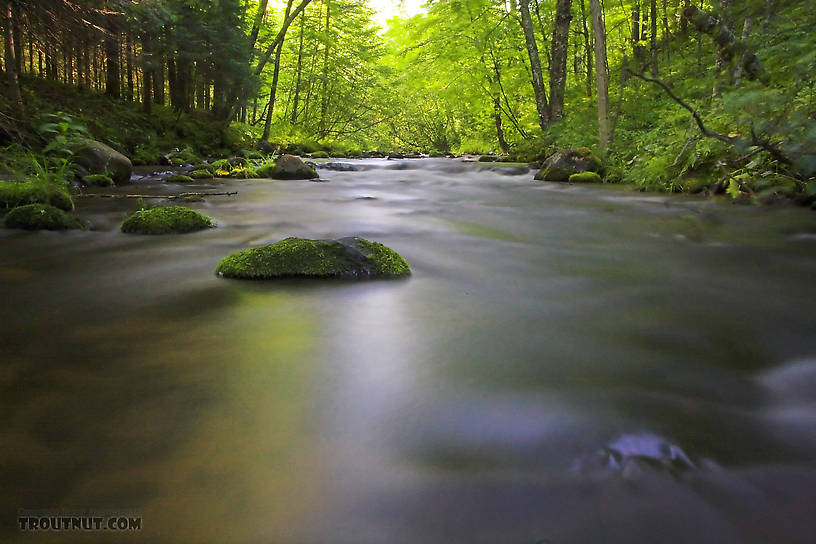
291, 167
98, 158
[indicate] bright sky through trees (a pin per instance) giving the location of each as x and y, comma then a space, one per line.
386, 9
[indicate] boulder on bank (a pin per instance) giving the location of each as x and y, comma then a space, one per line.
98, 158
291, 167
42, 217
166, 220
563, 164
300, 257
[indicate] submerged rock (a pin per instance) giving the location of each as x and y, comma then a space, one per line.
563, 164
291, 167
338, 166
98, 158
166, 220
42, 217
201, 173
630, 453
300, 257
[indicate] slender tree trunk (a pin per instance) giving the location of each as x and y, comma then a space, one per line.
746, 30
497, 117
683, 20
10, 62
324, 99
558, 66
542, 107
299, 71
273, 90
129, 67
112, 65
601, 74
722, 60
587, 49
770, 5
256, 26
653, 37
666, 31
17, 37
69, 62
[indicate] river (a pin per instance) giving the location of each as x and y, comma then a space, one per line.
566, 364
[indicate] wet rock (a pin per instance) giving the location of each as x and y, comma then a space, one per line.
98, 158
337, 166
562, 164
291, 167
178, 178
97, 180
300, 257
631, 454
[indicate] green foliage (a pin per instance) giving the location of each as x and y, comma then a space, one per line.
59, 129
166, 220
42, 217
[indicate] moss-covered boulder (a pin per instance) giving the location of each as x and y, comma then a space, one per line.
178, 178
201, 174
265, 170
562, 164
291, 167
98, 158
320, 155
18, 193
585, 177
42, 217
98, 180
166, 220
299, 257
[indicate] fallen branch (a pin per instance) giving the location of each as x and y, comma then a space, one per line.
755, 141
167, 197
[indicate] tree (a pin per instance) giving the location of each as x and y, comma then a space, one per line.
542, 106
601, 74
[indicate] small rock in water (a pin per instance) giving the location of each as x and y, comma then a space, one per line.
291, 167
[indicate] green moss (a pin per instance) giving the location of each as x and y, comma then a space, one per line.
265, 171
585, 177
320, 155
178, 178
242, 172
299, 257
388, 261
42, 217
166, 220
201, 174
14, 193
99, 180
220, 164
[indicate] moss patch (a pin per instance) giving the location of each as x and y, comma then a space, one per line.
42, 217
585, 177
265, 171
98, 180
178, 178
166, 220
14, 193
320, 155
201, 174
299, 257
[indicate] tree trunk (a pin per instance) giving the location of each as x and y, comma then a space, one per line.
558, 66
722, 56
587, 50
499, 126
324, 99
112, 65
129, 64
746, 30
274, 88
601, 72
653, 37
10, 62
666, 31
535, 66
299, 71
17, 37
256, 27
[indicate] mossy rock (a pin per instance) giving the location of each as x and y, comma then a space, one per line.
300, 257
242, 172
488, 158
320, 155
98, 180
178, 178
18, 193
201, 174
291, 167
562, 164
98, 158
42, 217
585, 177
166, 220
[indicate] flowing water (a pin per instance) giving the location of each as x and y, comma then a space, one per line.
566, 364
